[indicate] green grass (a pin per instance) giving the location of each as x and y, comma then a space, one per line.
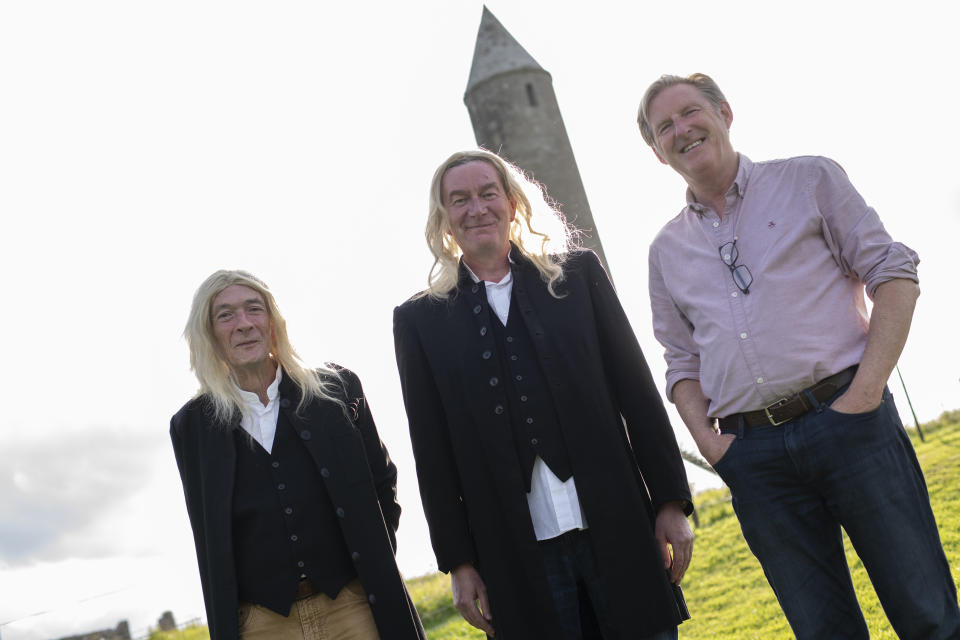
726, 592
190, 633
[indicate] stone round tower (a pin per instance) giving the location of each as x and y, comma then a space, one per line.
515, 114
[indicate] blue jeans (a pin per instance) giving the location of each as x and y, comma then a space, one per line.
570, 563
795, 485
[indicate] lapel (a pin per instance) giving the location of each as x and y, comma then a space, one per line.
559, 328
317, 424
544, 316
555, 324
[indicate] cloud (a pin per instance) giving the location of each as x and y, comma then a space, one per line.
55, 487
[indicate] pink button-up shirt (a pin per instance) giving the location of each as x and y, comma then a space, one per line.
812, 245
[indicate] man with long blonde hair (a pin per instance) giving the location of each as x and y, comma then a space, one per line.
291, 494
550, 476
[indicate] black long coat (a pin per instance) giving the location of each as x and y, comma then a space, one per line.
361, 479
468, 469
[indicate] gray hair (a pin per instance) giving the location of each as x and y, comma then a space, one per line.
701, 81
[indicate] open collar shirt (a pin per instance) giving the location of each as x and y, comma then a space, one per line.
812, 245
258, 420
554, 504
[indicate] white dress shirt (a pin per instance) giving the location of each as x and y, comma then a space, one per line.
554, 505
258, 420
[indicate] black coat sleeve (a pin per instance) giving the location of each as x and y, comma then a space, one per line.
183, 427
382, 468
188, 482
651, 437
440, 489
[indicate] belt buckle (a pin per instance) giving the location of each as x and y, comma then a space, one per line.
776, 405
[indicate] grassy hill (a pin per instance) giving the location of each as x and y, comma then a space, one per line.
726, 592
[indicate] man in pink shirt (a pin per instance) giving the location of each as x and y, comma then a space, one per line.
779, 373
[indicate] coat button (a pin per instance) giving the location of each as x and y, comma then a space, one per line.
281, 487
494, 381
477, 309
275, 464
534, 441
294, 537
519, 378
372, 599
305, 435
355, 556
529, 420
498, 409
301, 564
486, 355
288, 511
514, 358
483, 331
340, 512
523, 398
325, 472
509, 338
475, 287
285, 403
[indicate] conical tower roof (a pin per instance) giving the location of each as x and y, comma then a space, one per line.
497, 52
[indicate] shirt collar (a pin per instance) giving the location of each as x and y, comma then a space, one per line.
253, 400
507, 279
738, 188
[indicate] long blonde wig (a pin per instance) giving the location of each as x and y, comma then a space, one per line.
539, 231
211, 368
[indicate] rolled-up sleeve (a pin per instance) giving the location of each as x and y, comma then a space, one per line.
672, 329
853, 230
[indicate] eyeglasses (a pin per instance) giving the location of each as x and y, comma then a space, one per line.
741, 274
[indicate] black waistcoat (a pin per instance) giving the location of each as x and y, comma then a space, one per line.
533, 416
284, 525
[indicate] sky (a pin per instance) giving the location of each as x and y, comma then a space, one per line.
144, 145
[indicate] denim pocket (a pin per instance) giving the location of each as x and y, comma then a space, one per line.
884, 399
874, 428
855, 416
724, 458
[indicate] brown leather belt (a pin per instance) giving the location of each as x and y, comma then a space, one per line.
786, 409
305, 589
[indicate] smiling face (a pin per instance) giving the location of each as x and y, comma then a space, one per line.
479, 209
242, 327
690, 134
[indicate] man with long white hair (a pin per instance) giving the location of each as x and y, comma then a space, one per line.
291, 494
550, 476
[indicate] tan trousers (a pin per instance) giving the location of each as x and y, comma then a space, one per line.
317, 617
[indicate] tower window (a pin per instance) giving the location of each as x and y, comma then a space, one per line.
531, 96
